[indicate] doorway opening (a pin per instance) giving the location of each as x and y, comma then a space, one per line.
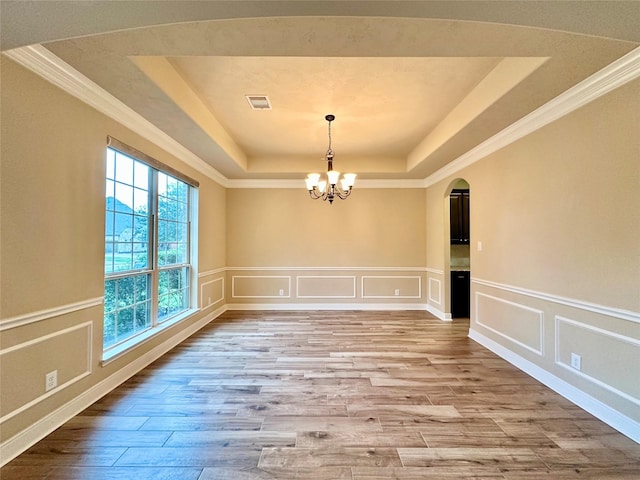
459, 250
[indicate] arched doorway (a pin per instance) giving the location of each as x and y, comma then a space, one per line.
458, 246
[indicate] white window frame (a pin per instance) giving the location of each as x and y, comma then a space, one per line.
154, 269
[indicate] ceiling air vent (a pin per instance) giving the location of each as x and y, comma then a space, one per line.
258, 102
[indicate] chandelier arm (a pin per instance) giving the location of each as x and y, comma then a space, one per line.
315, 193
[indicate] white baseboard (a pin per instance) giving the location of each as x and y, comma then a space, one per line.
445, 317
595, 407
325, 306
17, 444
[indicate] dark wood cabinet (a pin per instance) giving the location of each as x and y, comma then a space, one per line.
460, 294
459, 217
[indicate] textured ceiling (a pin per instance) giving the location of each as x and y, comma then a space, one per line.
410, 95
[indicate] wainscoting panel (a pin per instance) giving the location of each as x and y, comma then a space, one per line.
390, 286
325, 286
515, 322
435, 291
211, 292
607, 340
261, 286
68, 351
611, 371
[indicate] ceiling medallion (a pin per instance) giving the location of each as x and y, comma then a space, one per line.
330, 188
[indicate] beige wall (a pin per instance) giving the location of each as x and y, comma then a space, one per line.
559, 270
283, 247
373, 228
52, 244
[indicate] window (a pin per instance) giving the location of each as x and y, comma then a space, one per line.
148, 253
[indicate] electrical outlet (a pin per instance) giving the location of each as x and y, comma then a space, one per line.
479, 246
397, 292
281, 292
576, 361
51, 380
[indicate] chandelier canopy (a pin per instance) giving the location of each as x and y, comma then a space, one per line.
333, 186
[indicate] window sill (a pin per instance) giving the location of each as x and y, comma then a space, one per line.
125, 347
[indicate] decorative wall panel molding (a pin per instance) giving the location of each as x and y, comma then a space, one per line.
326, 306
569, 302
326, 286
17, 444
20, 320
435, 291
207, 301
261, 286
626, 358
324, 269
515, 322
81, 361
209, 273
391, 286
607, 414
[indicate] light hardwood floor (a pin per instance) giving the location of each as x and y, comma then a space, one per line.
330, 395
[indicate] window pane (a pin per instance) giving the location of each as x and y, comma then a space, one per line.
140, 228
141, 175
109, 191
172, 187
127, 307
143, 316
109, 337
124, 323
110, 173
140, 201
124, 198
124, 169
173, 292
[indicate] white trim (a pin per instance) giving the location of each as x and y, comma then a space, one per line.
504, 335
17, 444
211, 272
233, 286
71, 381
322, 269
439, 283
114, 352
50, 67
613, 76
41, 61
608, 415
298, 277
445, 317
299, 183
27, 318
325, 306
202, 305
435, 271
570, 302
392, 296
601, 331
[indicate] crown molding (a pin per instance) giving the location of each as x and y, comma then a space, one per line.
614, 75
44, 63
299, 183
50, 67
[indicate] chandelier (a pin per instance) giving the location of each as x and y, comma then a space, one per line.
330, 188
